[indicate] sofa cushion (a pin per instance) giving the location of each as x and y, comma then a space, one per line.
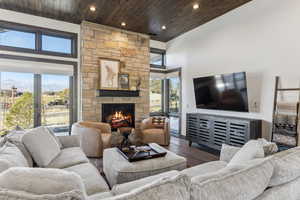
252, 149
286, 166
127, 187
244, 182
288, 191
40, 181
168, 188
19, 195
11, 156
99, 196
204, 168
68, 157
42, 145
93, 181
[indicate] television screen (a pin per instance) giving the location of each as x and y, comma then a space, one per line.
222, 92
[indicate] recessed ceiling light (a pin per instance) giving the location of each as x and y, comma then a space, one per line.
92, 8
163, 27
195, 6
123, 24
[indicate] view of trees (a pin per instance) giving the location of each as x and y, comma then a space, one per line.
21, 112
18, 110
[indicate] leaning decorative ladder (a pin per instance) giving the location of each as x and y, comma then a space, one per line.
285, 129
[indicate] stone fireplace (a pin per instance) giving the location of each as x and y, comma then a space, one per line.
133, 51
119, 115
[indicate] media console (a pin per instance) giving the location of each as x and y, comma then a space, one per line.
213, 130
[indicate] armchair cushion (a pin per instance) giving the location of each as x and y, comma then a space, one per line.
104, 127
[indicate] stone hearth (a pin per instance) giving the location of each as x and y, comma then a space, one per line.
132, 49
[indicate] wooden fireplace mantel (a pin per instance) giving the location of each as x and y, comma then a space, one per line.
118, 93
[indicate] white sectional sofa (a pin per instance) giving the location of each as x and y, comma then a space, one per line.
64, 173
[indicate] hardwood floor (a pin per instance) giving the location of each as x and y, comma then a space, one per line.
194, 154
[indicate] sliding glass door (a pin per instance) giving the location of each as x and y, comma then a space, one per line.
55, 104
28, 100
16, 101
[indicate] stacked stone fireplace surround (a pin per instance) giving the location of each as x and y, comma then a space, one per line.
132, 49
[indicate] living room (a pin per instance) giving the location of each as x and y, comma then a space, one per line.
130, 99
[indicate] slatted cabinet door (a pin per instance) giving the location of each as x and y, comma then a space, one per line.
238, 133
192, 127
219, 133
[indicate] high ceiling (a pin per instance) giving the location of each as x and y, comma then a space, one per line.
144, 16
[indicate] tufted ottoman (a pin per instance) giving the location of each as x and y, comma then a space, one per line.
118, 170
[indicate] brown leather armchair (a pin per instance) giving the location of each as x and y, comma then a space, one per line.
155, 133
94, 137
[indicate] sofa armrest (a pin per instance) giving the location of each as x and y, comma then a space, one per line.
127, 187
70, 141
227, 152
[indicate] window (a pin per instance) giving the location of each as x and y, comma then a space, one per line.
55, 102
156, 95
29, 39
157, 58
16, 101
56, 44
18, 39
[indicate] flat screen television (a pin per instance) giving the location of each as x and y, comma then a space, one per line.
222, 92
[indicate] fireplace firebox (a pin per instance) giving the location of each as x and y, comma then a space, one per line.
119, 115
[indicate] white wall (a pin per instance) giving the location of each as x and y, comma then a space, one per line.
261, 38
158, 44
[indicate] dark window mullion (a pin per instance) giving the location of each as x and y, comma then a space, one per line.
37, 100
38, 41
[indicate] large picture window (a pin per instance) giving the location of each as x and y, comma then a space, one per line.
35, 93
29, 39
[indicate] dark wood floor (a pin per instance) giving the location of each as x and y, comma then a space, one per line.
194, 155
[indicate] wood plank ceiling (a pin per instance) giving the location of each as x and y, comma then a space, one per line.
144, 16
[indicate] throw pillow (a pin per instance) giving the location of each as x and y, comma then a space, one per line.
252, 149
42, 145
158, 121
286, 166
11, 156
40, 181
55, 137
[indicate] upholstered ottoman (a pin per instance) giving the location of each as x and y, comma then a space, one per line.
118, 170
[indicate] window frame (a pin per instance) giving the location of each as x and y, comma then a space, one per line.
38, 31
163, 55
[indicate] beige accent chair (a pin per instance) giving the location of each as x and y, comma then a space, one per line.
152, 133
94, 137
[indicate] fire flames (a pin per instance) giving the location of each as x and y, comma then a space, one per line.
119, 119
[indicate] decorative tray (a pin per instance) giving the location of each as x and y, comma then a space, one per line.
138, 153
